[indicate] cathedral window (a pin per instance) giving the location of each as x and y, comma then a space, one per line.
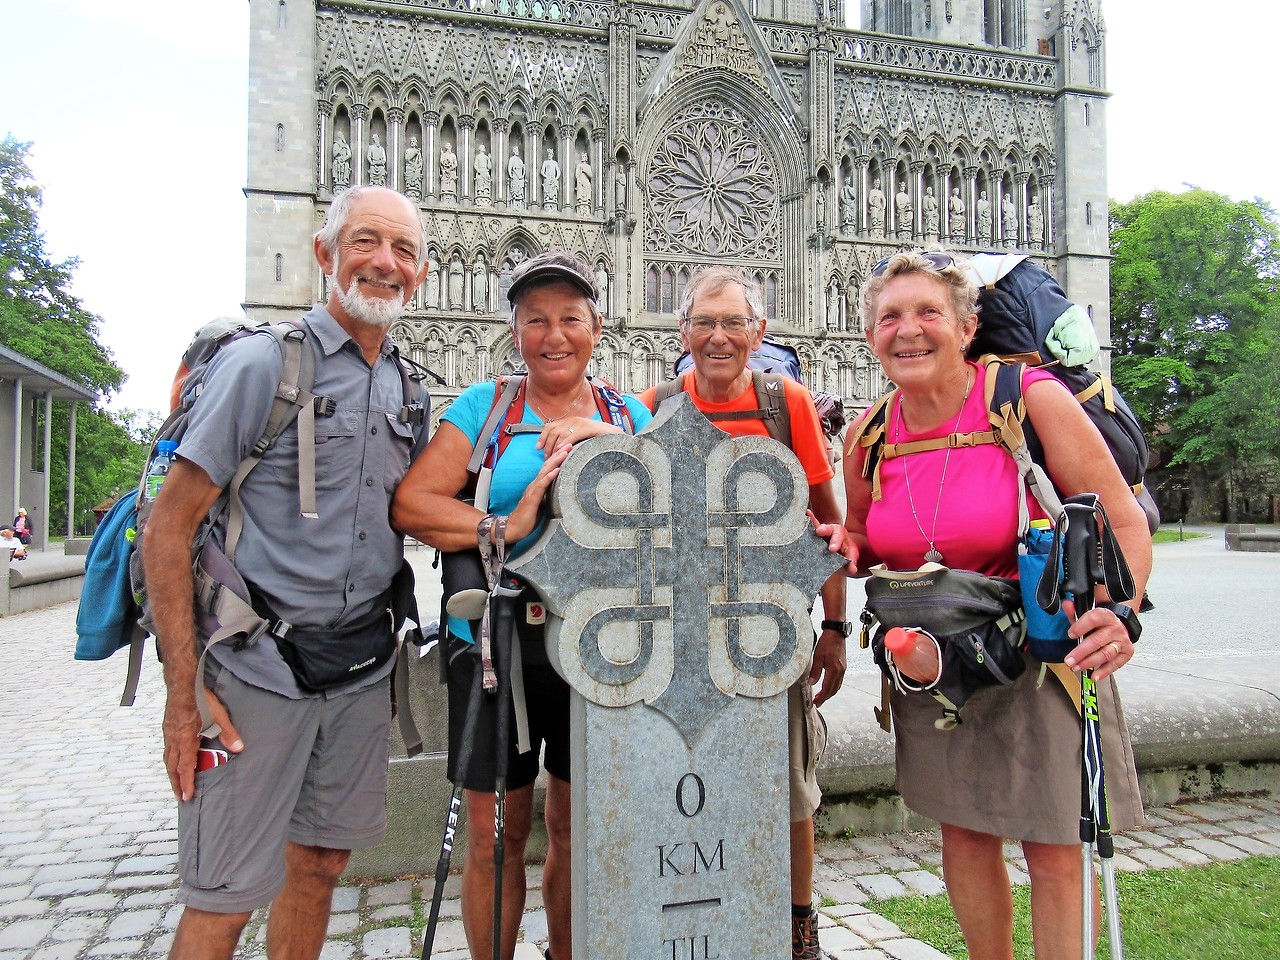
282, 15
279, 138
279, 267
651, 285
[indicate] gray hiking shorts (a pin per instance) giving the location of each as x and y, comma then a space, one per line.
313, 771
806, 743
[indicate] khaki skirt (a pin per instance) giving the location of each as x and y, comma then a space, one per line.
1012, 767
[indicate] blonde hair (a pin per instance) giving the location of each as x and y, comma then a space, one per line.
964, 292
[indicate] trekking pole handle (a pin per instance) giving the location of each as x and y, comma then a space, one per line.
1081, 563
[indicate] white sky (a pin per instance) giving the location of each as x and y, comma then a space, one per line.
137, 112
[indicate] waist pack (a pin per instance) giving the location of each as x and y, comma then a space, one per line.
978, 622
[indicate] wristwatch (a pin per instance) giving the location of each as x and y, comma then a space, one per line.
1127, 617
842, 627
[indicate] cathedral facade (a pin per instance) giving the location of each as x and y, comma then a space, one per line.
654, 138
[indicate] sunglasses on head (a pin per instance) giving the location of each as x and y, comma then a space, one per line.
937, 260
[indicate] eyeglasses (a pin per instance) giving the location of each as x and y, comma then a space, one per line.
701, 324
936, 258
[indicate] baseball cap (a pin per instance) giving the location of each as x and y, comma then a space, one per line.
553, 265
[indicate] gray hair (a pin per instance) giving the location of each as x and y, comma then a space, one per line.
340, 210
964, 292
714, 279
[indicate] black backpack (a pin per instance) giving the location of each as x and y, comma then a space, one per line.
1024, 315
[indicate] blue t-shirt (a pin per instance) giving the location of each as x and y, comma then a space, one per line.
520, 461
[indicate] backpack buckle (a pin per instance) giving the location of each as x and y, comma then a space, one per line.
324, 406
413, 414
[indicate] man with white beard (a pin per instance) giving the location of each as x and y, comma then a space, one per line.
270, 807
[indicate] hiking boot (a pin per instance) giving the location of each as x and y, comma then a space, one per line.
804, 937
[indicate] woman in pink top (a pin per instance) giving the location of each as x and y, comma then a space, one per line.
1011, 770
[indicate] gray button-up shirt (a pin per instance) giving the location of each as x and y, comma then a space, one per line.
317, 574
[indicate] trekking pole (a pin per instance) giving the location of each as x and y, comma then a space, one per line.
455, 805
504, 635
1082, 571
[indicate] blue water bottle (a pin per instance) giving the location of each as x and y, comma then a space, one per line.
159, 468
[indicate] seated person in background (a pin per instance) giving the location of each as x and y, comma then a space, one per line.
10, 542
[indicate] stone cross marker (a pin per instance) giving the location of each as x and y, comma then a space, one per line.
679, 569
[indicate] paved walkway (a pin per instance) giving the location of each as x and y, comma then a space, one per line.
88, 833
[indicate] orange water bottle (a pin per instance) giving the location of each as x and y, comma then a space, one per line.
914, 652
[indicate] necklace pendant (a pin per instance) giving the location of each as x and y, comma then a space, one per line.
933, 556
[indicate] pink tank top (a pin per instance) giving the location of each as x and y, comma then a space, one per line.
977, 506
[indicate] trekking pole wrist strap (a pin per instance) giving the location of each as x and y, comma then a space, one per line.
1127, 617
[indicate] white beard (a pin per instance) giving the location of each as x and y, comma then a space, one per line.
371, 311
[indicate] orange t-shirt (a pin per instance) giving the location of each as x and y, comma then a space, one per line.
807, 441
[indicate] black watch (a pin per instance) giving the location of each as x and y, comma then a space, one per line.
1127, 617
842, 627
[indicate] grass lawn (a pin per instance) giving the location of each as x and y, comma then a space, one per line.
1166, 535
1226, 911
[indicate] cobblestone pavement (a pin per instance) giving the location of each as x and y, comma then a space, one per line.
88, 841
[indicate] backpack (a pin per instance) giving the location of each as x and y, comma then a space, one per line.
772, 357
113, 610
771, 400
1026, 316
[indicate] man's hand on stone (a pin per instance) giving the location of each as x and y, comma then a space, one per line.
829, 664
838, 541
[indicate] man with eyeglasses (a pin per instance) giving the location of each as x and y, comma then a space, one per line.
722, 324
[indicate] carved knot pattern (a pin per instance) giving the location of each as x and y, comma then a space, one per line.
680, 568
713, 188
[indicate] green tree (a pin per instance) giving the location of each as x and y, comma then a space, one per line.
1195, 322
41, 319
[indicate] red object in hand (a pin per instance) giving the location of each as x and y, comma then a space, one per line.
914, 653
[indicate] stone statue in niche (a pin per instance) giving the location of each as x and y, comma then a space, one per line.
876, 207
432, 295
822, 208
603, 358
830, 374
639, 367
456, 277
550, 171
515, 177
984, 218
466, 361
602, 284
620, 187
833, 305
514, 257
377, 163
929, 209
413, 170
435, 353
582, 184
955, 209
903, 213
484, 177
1035, 224
341, 162
1009, 220
480, 285
448, 171
848, 207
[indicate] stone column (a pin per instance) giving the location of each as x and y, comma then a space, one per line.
971, 208
359, 114
324, 109
500, 127
532, 170
1020, 201
568, 159
890, 185
1050, 220
466, 150
864, 185
997, 207
395, 120
430, 133
917, 207
599, 182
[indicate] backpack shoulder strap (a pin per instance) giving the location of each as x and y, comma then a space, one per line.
666, 390
868, 433
506, 392
771, 396
613, 409
293, 400
1007, 413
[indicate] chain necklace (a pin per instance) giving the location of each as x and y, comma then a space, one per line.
933, 555
568, 410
